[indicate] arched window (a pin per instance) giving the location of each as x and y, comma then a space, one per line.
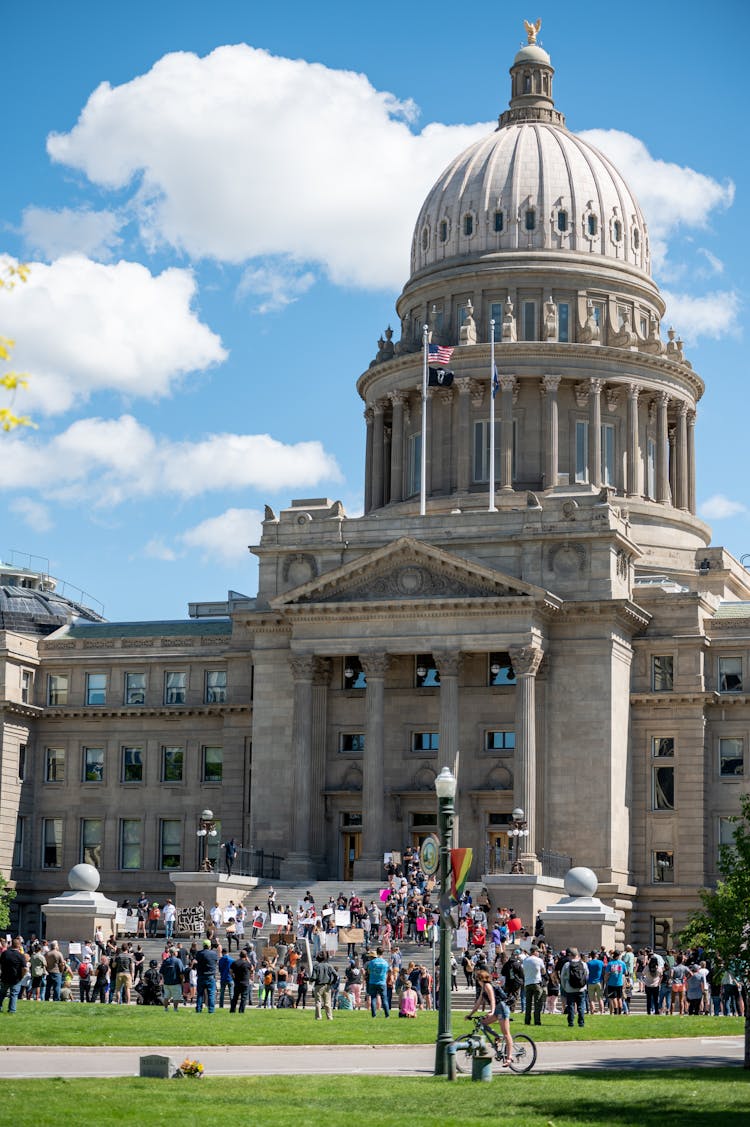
530, 220
443, 230
592, 225
498, 220
425, 238
468, 225
562, 220
636, 238
527, 84
617, 231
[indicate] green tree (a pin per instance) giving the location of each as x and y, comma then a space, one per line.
10, 274
722, 927
6, 895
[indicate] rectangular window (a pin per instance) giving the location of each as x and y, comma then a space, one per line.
727, 826
57, 688
96, 688
52, 843
352, 741
354, 674
662, 866
662, 797
662, 747
608, 454
661, 933
27, 683
426, 675
54, 765
582, 451
21, 762
135, 688
563, 322
175, 687
414, 468
130, 843
172, 764
462, 313
216, 686
662, 674
651, 469
92, 837
529, 320
496, 315
731, 758
93, 765
730, 674
500, 670
502, 740
18, 843
482, 450
213, 764
598, 314
132, 764
170, 852
425, 741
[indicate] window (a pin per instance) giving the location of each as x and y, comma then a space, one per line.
57, 688
54, 765
130, 843
608, 454
501, 670
529, 320
423, 819
651, 468
135, 688
132, 764
731, 757
529, 221
636, 238
175, 685
213, 758
727, 826
598, 314
27, 683
414, 466
617, 231
662, 866
469, 225
443, 230
730, 674
498, 221
426, 672
216, 686
562, 220
172, 764
661, 932
592, 225
96, 688
52, 843
496, 315
425, 741
563, 322
352, 819
18, 843
170, 851
482, 450
662, 747
352, 741
92, 836
662, 797
504, 740
425, 238
662, 674
354, 674
582, 451
21, 762
93, 765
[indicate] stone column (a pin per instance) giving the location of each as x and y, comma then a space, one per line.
321, 679
463, 443
507, 385
387, 454
377, 456
662, 449
633, 441
369, 866
445, 450
595, 432
368, 459
681, 476
298, 863
398, 399
525, 661
691, 460
550, 386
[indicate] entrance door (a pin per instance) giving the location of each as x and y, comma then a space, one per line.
499, 851
418, 836
352, 844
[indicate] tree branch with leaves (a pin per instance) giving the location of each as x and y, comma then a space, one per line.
10, 274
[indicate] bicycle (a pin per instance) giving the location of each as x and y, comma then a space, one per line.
523, 1057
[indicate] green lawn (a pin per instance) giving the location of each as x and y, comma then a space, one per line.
75, 1024
701, 1098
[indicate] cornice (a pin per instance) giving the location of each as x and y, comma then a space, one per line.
136, 712
666, 701
18, 708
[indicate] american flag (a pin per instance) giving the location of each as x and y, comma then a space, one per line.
437, 354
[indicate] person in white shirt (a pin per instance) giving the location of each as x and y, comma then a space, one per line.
217, 916
533, 973
168, 914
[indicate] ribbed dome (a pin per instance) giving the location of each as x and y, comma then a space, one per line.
29, 611
530, 185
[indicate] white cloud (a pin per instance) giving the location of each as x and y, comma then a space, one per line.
716, 266
710, 315
53, 234
719, 507
242, 154
33, 513
109, 461
280, 282
225, 537
83, 326
156, 549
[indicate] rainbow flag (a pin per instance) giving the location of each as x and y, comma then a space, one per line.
460, 864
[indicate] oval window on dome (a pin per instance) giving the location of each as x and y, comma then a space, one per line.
636, 238
468, 225
444, 231
530, 221
617, 231
425, 238
562, 220
498, 220
592, 225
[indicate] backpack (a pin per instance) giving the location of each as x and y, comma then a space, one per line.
514, 975
268, 978
84, 970
653, 965
576, 975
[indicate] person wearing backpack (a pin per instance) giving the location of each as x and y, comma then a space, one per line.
534, 972
652, 982
615, 976
84, 981
574, 981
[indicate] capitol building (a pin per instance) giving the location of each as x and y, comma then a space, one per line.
563, 635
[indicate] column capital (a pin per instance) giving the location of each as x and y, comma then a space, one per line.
525, 660
463, 383
445, 395
398, 398
378, 406
368, 414
321, 675
662, 398
596, 385
477, 392
449, 664
302, 666
613, 398
375, 664
691, 417
634, 390
507, 383
550, 383
581, 391
682, 408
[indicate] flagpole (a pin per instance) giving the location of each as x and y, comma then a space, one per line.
491, 506
423, 469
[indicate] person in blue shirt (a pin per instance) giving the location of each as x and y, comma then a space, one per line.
377, 972
225, 978
614, 975
596, 992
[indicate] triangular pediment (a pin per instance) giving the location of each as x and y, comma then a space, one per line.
408, 570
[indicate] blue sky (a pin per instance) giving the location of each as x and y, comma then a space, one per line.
217, 205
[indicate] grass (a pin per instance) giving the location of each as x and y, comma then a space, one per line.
717, 1097
75, 1024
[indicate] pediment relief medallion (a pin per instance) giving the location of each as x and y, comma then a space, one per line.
414, 581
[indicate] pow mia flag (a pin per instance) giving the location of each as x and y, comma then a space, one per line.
440, 378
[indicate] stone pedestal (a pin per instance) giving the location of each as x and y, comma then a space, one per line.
210, 888
580, 919
74, 916
525, 893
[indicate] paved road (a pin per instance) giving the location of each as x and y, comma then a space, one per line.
408, 1060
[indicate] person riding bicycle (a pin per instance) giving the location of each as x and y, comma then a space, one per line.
493, 998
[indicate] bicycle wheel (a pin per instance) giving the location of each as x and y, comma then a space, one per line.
523, 1057
463, 1061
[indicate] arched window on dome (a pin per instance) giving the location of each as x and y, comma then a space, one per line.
530, 219
562, 220
617, 231
592, 225
425, 238
468, 225
443, 229
636, 239
498, 221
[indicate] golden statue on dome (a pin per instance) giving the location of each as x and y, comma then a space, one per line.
532, 30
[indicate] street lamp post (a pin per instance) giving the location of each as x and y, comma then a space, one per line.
518, 829
445, 785
206, 829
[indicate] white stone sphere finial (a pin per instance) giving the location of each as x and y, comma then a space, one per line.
84, 878
581, 882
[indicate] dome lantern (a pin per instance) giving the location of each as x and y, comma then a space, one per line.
531, 84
